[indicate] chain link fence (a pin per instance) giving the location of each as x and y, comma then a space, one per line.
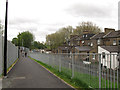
97, 71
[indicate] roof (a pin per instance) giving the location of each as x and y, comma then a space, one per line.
83, 48
97, 36
73, 38
64, 48
112, 34
110, 48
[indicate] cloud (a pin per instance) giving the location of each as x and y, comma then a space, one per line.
18, 21
90, 10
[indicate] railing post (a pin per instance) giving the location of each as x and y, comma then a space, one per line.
99, 71
59, 62
118, 71
111, 70
72, 65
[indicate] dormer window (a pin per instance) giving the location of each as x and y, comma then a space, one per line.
98, 41
114, 42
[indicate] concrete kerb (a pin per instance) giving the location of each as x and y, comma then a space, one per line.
54, 75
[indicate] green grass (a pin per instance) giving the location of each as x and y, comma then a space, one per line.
65, 76
80, 80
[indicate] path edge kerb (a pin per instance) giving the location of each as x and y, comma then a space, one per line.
52, 73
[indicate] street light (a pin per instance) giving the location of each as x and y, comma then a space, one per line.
5, 42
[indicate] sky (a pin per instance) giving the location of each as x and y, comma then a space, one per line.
43, 17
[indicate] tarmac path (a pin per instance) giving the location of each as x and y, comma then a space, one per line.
28, 74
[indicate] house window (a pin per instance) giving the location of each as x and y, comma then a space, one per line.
119, 42
98, 41
91, 44
88, 43
103, 55
83, 41
83, 35
114, 42
93, 55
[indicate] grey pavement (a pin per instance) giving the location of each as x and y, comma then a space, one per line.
28, 74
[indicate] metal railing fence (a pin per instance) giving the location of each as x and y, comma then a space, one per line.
96, 70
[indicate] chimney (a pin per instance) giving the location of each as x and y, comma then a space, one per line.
107, 30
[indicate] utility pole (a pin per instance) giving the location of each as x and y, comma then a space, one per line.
5, 42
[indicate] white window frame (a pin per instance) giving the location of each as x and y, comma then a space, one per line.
98, 41
91, 44
83, 41
93, 57
114, 42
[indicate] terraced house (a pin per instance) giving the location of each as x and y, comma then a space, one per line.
90, 44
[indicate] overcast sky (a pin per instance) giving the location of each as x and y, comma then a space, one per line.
43, 17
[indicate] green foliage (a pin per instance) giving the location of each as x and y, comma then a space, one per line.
87, 26
24, 39
15, 41
56, 39
38, 45
63, 35
27, 39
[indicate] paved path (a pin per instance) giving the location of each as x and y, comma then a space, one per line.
29, 74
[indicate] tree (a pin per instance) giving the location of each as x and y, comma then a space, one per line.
24, 39
15, 41
56, 39
38, 45
89, 26
63, 35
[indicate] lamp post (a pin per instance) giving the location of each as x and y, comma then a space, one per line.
5, 42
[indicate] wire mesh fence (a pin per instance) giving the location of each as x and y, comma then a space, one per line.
96, 70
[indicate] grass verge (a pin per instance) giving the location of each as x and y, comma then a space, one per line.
80, 81
78, 84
